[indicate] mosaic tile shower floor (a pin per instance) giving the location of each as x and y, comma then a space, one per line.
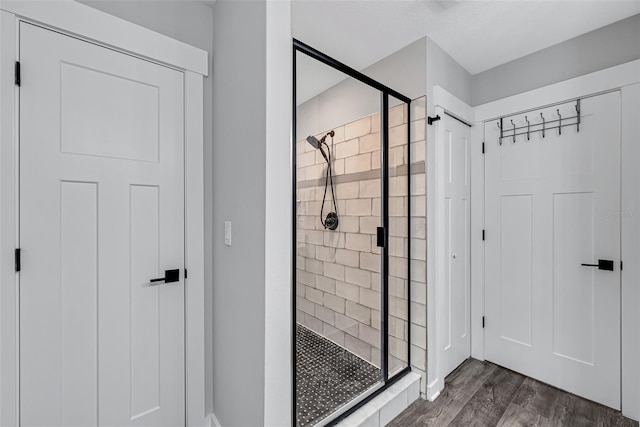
329, 376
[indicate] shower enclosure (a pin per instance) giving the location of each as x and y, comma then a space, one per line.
352, 234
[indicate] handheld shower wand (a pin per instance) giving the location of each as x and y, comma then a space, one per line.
331, 221
318, 145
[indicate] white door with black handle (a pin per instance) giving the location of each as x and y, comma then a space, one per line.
101, 217
552, 248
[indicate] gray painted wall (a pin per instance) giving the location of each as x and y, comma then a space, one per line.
403, 70
606, 47
350, 99
190, 22
239, 168
413, 71
444, 71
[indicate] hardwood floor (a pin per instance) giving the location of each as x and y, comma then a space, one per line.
483, 394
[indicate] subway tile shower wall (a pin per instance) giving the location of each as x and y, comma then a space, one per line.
338, 272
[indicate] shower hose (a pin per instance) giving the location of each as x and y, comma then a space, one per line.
331, 221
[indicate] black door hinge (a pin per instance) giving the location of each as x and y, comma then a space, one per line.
18, 77
185, 273
483, 148
620, 265
482, 322
18, 260
430, 120
483, 235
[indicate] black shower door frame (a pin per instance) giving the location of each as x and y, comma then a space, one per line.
386, 92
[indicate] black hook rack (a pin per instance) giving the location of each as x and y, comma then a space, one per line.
542, 127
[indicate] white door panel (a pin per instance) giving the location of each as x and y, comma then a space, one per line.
101, 213
551, 204
455, 343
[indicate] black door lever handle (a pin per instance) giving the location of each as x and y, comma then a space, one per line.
170, 276
603, 264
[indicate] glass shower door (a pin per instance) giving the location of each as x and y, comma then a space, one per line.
338, 257
352, 273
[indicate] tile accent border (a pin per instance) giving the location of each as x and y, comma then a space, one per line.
416, 168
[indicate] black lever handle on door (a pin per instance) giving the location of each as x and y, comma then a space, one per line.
603, 264
170, 276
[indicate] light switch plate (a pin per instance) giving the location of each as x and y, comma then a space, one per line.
227, 233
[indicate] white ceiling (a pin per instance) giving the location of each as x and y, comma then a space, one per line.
479, 34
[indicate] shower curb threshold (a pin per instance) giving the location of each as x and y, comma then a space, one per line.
386, 406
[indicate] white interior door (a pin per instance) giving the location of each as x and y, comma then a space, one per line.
552, 204
454, 237
101, 213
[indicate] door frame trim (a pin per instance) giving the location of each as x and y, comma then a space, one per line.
444, 103
94, 25
626, 78
81, 21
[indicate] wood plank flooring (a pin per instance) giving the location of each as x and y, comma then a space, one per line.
483, 394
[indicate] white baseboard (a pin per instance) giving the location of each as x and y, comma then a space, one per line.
434, 388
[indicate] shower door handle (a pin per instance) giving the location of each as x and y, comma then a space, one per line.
380, 237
